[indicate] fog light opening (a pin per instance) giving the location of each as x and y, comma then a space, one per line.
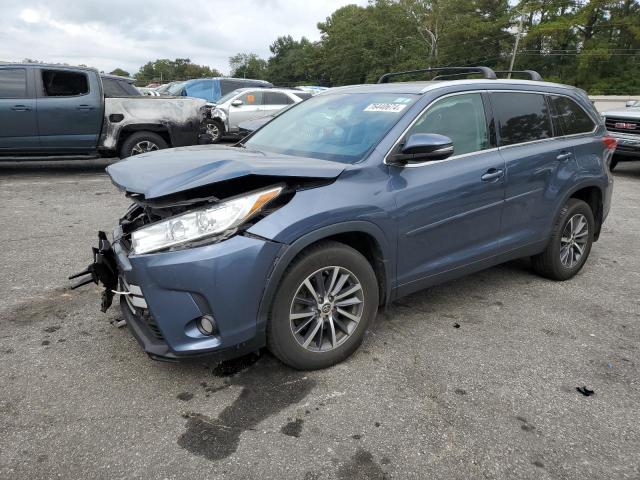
207, 325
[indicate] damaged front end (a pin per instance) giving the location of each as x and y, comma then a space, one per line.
103, 270
189, 274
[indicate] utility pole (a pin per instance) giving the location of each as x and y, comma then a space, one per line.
515, 46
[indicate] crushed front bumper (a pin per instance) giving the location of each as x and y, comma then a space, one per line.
164, 294
628, 145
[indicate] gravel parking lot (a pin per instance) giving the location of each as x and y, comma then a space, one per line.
493, 398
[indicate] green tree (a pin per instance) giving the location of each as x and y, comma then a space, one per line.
120, 72
295, 62
165, 70
248, 65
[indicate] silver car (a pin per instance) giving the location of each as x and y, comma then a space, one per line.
248, 104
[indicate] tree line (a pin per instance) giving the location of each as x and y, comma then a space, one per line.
593, 44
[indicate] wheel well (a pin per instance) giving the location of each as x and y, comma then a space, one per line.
129, 130
592, 196
369, 248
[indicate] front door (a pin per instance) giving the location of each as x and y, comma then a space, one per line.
250, 108
18, 125
449, 211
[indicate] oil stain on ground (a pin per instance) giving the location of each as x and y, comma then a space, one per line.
52, 306
362, 466
267, 388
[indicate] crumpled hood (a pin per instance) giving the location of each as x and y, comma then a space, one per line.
175, 170
632, 112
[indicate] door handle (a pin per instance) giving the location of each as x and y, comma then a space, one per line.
84, 107
564, 156
492, 174
20, 108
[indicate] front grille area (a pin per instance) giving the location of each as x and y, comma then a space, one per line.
623, 125
137, 304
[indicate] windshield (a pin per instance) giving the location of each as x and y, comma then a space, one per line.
175, 88
342, 127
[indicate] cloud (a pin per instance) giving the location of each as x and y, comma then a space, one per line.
126, 34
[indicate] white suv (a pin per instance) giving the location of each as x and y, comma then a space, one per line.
248, 104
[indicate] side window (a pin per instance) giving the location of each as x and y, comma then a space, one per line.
276, 98
459, 117
202, 89
251, 98
111, 88
62, 83
571, 116
521, 117
13, 83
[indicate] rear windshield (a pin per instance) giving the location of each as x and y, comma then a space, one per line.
175, 88
342, 127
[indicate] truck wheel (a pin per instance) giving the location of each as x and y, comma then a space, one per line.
215, 128
570, 243
326, 300
141, 142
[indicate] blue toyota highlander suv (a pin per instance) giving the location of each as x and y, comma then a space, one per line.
294, 237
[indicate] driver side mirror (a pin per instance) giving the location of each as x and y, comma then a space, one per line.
424, 147
632, 103
236, 103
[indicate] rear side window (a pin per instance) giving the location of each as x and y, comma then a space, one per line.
13, 83
275, 98
521, 117
570, 116
459, 117
62, 83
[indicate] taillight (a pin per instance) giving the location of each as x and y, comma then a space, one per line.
610, 143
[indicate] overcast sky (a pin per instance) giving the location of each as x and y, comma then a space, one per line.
128, 33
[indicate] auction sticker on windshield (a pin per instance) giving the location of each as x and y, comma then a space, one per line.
385, 107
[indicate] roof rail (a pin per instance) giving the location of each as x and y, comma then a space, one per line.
485, 71
533, 75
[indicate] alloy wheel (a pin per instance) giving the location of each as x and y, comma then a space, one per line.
213, 130
574, 240
143, 147
326, 309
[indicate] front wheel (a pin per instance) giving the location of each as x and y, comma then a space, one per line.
141, 142
215, 128
570, 242
324, 304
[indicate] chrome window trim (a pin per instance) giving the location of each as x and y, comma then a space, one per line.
453, 157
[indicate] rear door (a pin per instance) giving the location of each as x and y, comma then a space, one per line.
537, 158
69, 109
273, 102
18, 121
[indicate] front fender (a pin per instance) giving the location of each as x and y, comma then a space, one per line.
289, 252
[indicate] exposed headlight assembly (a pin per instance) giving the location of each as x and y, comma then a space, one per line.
199, 224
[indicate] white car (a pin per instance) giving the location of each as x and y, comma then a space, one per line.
247, 104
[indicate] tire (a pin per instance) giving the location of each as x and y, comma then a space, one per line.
215, 128
141, 142
324, 349
557, 262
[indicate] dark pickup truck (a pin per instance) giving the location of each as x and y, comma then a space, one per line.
49, 111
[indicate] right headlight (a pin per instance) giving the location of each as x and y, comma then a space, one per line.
199, 224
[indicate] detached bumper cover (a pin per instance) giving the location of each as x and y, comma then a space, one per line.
225, 280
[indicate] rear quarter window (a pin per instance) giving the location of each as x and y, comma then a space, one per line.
570, 116
521, 117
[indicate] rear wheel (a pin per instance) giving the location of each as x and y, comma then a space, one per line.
325, 302
570, 242
141, 142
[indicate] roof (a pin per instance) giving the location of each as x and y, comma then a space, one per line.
419, 88
49, 65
